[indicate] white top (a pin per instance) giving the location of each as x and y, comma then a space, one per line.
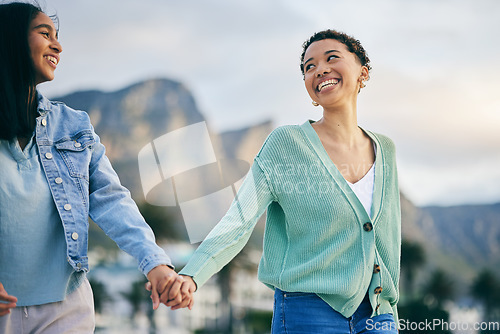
363, 189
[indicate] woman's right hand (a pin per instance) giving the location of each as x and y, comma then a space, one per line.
6, 302
187, 289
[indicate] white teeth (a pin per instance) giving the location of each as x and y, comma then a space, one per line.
53, 60
327, 83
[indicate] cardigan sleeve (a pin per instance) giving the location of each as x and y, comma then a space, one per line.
231, 234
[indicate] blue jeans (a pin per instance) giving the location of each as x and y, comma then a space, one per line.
299, 312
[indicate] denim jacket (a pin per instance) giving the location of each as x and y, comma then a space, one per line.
83, 184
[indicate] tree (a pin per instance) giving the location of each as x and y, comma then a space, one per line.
139, 298
441, 287
416, 312
412, 258
161, 221
486, 289
100, 293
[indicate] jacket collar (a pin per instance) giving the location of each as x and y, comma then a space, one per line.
43, 104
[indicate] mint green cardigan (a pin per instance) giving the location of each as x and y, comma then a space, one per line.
318, 236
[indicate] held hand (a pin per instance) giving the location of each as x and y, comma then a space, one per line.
5, 297
187, 289
163, 280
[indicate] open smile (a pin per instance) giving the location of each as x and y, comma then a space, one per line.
327, 83
53, 60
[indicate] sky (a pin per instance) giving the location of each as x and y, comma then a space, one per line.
434, 87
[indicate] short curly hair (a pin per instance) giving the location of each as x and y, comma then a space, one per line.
353, 45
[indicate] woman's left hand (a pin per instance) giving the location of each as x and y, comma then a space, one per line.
187, 289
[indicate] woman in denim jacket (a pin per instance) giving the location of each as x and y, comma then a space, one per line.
54, 174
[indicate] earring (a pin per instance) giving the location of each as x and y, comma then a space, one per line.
314, 103
362, 81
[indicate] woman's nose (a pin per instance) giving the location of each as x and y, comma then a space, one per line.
56, 46
322, 70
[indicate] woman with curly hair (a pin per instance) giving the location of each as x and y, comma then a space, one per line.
332, 238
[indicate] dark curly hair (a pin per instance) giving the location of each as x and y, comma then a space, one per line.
353, 45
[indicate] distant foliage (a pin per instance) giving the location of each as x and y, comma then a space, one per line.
412, 258
139, 299
486, 289
101, 295
440, 288
164, 225
417, 312
415, 309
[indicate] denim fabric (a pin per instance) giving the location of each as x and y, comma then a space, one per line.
304, 313
41, 260
83, 183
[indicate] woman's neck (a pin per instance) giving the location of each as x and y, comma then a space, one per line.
340, 125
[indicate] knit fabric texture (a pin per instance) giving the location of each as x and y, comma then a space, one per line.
318, 236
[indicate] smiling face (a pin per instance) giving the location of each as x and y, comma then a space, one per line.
44, 46
332, 74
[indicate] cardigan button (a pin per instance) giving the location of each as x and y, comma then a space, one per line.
378, 290
376, 269
368, 227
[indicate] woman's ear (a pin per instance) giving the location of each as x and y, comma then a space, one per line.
365, 75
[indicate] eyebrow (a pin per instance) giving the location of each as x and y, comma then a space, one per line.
326, 52
47, 26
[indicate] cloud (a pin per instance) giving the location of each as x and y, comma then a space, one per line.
446, 134
432, 90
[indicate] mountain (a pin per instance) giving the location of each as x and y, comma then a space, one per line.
460, 239
129, 118
467, 232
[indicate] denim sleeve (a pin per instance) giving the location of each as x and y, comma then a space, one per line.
116, 213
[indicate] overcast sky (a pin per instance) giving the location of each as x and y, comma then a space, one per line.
434, 87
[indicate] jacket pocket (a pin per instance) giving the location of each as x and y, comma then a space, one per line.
76, 153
